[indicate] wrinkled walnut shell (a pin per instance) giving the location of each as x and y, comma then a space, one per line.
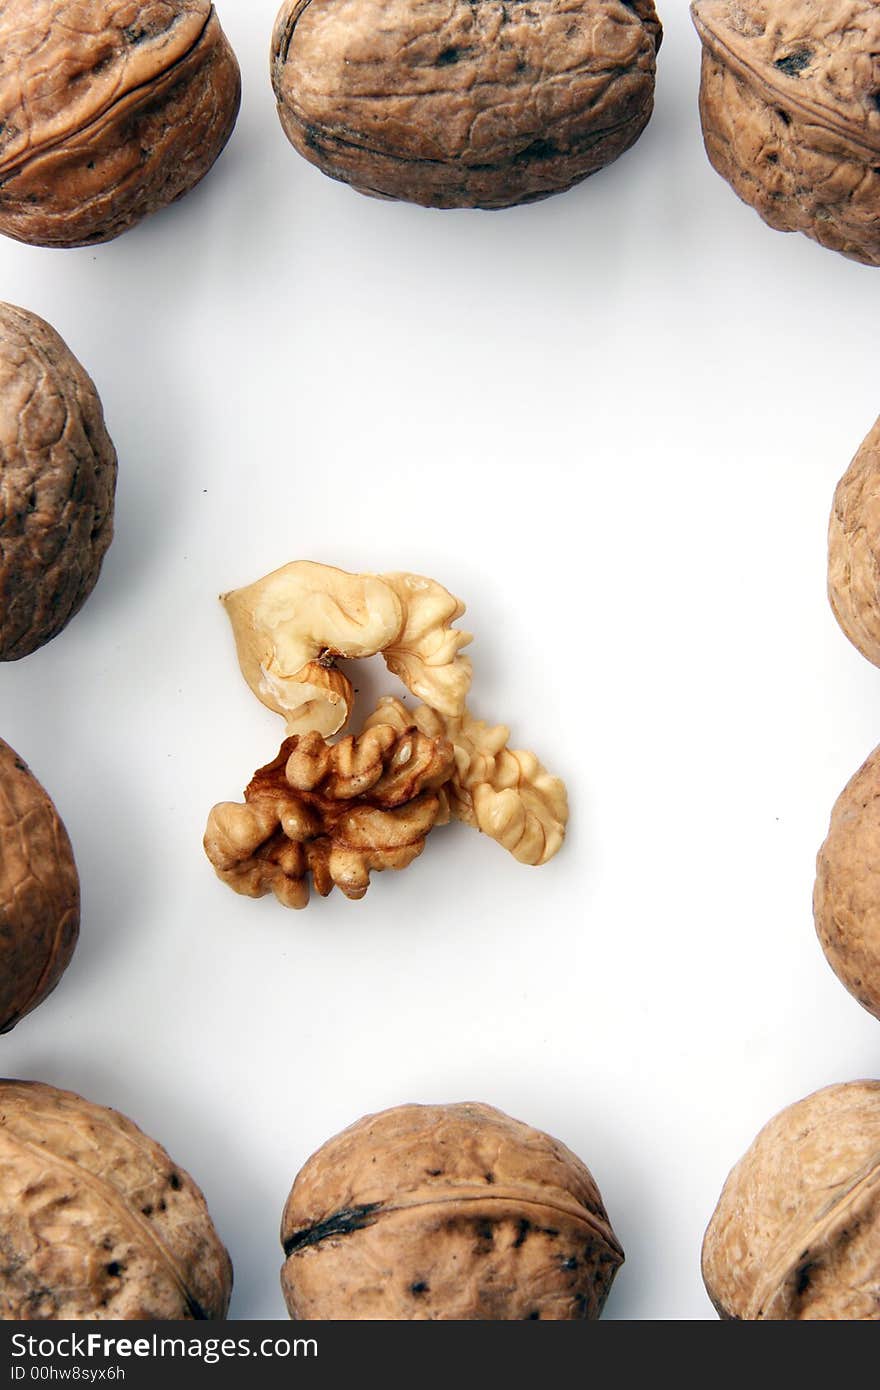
434, 1212
336, 812
846, 898
854, 549
39, 892
462, 105
96, 1221
790, 115
57, 484
142, 98
796, 1233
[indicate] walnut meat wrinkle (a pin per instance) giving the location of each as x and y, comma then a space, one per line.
791, 117
336, 812
462, 105
109, 110
96, 1221
796, 1233
854, 549
846, 897
39, 892
436, 1212
57, 484
506, 793
291, 625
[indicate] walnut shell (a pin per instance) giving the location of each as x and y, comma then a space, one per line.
435, 1212
57, 484
39, 892
96, 1221
846, 898
796, 1233
854, 549
143, 97
790, 113
463, 105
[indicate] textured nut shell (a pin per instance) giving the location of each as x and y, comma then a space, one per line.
57, 484
854, 549
39, 892
96, 1221
143, 97
789, 112
796, 1233
446, 1211
846, 898
462, 105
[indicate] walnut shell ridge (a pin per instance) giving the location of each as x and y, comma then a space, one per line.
57, 484
144, 96
436, 1212
39, 892
790, 107
796, 1233
96, 1221
462, 105
854, 549
846, 897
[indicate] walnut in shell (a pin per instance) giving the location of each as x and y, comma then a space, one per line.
796, 1233
109, 110
96, 1221
435, 1212
39, 892
336, 812
57, 484
854, 549
846, 898
463, 105
791, 113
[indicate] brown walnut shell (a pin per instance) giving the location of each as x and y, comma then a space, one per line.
790, 112
96, 1221
39, 892
143, 97
463, 105
796, 1233
854, 549
846, 898
435, 1212
57, 484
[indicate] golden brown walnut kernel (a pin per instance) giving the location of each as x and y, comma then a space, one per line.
291, 625
506, 793
790, 112
336, 811
109, 110
846, 898
96, 1221
796, 1233
434, 1212
57, 484
463, 105
39, 892
854, 549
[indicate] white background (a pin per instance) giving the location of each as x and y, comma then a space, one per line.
611, 422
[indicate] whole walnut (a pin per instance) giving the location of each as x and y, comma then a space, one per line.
109, 110
435, 1212
846, 898
39, 892
464, 105
57, 483
96, 1221
789, 105
796, 1233
854, 549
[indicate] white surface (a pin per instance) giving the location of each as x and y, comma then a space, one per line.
612, 422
